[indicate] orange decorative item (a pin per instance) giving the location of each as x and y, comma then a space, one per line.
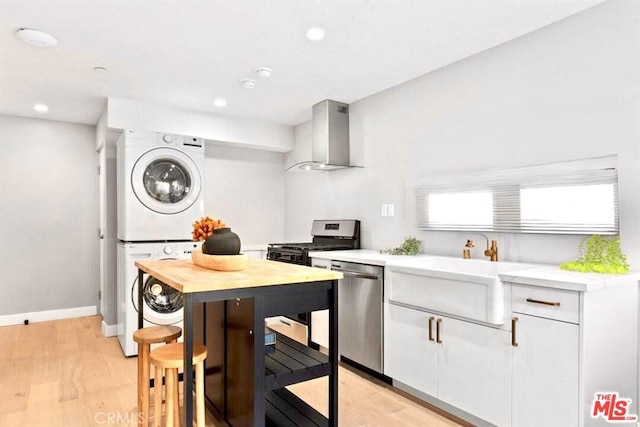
204, 228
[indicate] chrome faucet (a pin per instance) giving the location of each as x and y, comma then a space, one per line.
491, 252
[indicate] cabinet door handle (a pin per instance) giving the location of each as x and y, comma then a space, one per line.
438, 323
359, 275
537, 301
431, 319
514, 322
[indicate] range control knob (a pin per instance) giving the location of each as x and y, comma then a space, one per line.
168, 139
168, 250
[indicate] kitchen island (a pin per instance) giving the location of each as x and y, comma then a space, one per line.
248, 386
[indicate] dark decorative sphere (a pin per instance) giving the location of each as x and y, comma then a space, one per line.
222, 242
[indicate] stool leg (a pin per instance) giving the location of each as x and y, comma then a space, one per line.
200, 421
143, 384
168, 397
157, 397
176, 399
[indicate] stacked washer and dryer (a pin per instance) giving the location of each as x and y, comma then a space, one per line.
160, 195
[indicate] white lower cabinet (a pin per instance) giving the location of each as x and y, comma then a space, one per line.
320, 319
461, 363
409, 356
474, 369
320, 328
545, 373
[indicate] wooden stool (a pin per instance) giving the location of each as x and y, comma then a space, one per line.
171, 357
145, 337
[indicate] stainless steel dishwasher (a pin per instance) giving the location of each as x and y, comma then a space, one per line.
360, 313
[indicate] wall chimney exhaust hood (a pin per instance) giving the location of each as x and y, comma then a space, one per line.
329, 139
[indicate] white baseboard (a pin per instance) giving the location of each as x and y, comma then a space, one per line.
109, 330
43, 316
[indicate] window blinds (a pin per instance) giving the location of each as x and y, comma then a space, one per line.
574, 197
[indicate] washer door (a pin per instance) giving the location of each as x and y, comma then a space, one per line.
162, 303
166, 180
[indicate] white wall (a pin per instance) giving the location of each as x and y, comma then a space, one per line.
570, 90
49, 215
245, 188
126, 114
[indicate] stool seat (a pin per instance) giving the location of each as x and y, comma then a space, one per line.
172, 355
169, 358
157, 334
145, 337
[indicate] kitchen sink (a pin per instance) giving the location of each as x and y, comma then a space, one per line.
467, 288
455, 267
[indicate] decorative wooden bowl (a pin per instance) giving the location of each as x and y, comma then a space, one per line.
219, 262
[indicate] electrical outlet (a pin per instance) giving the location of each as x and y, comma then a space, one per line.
384, 210
391, 210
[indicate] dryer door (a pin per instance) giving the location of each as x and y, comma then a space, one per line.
166, 180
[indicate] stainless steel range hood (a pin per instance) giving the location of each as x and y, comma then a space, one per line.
330, 138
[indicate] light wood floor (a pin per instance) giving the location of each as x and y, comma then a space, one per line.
65, 373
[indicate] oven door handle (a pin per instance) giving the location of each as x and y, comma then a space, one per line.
356, 274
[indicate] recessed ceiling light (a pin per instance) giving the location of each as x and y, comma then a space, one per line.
41, 108
248, 83
100, 70
36, 38
220, 102
263, 72
315, 34
307, 167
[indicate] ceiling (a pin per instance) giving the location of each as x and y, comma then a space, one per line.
185, 54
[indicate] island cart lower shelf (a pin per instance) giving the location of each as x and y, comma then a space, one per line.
285, 409
291, 362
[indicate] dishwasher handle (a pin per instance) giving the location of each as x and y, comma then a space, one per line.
351, 273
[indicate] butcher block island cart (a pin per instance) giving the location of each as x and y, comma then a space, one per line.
245, 380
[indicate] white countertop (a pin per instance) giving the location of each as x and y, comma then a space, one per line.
545, 275
553, 277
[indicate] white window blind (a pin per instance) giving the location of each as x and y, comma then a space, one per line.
575, 197
452, 209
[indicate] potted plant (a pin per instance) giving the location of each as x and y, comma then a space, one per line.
599, 254
410, 246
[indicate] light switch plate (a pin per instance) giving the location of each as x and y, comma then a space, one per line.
384, 210
391, 210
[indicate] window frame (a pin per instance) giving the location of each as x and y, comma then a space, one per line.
505, 186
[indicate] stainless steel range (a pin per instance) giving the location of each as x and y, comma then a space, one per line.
328, 235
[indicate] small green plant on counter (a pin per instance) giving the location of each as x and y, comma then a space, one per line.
599, 254
410, 246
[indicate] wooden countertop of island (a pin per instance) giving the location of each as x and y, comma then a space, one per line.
185, 276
